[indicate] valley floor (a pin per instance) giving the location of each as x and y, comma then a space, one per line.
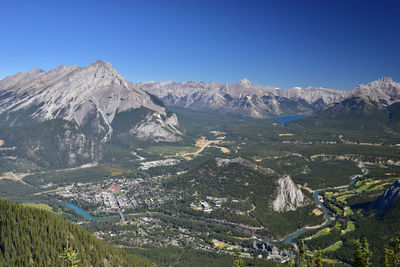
154, 199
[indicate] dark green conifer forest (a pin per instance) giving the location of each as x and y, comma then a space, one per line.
33, 237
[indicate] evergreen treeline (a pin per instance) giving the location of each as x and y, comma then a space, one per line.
362, 256
33, 237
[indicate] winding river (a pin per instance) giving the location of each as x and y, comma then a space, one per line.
84, 214
353, 179
288, 239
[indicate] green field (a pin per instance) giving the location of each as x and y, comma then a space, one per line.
333, 247
169, 149
299, 152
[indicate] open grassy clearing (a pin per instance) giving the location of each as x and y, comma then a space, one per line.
333, 247
347, 211
170, 150
343, 197
338, 225
320, 233
350, 227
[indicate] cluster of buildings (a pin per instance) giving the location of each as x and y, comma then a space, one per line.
157, 163
208, 205
118, 195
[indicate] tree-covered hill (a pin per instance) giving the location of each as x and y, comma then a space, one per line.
33, 237
53, 144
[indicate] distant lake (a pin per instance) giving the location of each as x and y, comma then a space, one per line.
84, 213
283, 119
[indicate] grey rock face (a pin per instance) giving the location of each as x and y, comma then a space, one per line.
368, 99
383, 92
155, 128
73, 145
244, 98
92, 97
53, 144
387, 198
289, 196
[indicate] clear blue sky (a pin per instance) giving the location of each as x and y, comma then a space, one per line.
329, 43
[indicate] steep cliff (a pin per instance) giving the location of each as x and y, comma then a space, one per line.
289, 196
388, 197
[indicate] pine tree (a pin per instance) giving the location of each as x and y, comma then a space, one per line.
70, 256
301, 261
291, 263
318, 260
310, 262
362, 255
392, 254
387, 258
238, 262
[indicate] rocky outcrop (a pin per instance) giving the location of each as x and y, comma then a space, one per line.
388, 197
157, 128
289, 196
244, 98
93, 97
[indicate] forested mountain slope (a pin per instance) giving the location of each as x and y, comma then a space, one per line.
33, 237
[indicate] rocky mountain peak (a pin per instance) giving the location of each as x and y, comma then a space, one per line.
384, 91
102, 67
101, 64
384, 83
91, 96
245, 82
35, 71
385, 80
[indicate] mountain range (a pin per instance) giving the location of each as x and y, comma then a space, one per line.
379, 95
65, 115
244, 98
96, 98
369, 107
250, 100
106, 105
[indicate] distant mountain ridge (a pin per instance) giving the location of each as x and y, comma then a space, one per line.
372, 107
93, 97
383, 92
368, 99
244, 98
